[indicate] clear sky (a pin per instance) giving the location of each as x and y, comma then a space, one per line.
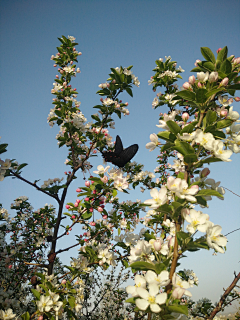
111, 33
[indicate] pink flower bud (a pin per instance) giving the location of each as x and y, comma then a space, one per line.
104, 179
104, 216
200, 85
196, 63
218, 50
73, 217
204, 173
63, 281
40, 318
114, 81
94, 191
75, 204
157, 245
236, 60
57, 76
224, 82
91, 209
86, 199
191, 80
92, 223
78, 190
185, 116
100, 209
126, 103
237, 99
87, 183
186, 86
223, 113
67, 206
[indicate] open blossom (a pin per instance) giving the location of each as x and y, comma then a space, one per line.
161, 279
220, 153
180, 286
224, 101
150, 298
166, 117
7, 315
215, 239
213, 76
140, 282
180, 187
44, 304
159, 197
197, 221
101, 169
233, 115
154, 142
141, 252
205, 139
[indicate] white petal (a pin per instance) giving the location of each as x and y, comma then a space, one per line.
142, 304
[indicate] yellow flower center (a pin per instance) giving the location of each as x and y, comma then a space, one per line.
151, 299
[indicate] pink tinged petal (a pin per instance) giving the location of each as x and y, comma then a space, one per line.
142, 304
178, 293
161, 298
193, 190
155, 307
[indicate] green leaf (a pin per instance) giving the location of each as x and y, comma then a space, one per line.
86, 215
159, 267
209, 192
209, 160
190, 158
226, 67
167, 146
141, 265
189, 128
213, 92
209, 66
197, 69
129, 91
36, 293
211, 116
71, 301
174, 128
218, 134
187, 95
178, 309
25, 316
130, 300
201, 95
165, 208
222, 54
201, 200
234, 86
207, 54
3, 147
224, 123
184, 148
166, 135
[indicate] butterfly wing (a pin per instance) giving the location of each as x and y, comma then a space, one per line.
118, 146
127, 154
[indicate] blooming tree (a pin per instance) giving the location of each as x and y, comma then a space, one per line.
203, 129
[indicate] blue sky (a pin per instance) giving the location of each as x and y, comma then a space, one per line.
111, 33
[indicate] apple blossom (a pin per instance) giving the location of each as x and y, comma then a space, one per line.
154, 142
197, 221
202, 76
224, 155
215, 239
213, 76
161, 279
233, 115
159, 197
180, 284
140, 282
191, 80
151, 298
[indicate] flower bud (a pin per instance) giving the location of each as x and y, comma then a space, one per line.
213, 76
78, 190
224, 82
191, 80
186, 86
196, 63
237, 99
100, 209
223, 113
87, 183
67, 206
63, 281
204, 173
218, 50
157, 245
185, 116
236, 60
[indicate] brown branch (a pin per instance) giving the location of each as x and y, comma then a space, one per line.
224, 297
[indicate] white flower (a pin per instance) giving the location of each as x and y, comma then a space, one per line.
141, 252
233, 115
108, 101
161, 279
224, 155
140, 282
159, 197
203, 77
224, 101
154, 142
215, 239
166, 117
205, 139
44, 304
7, 315
101, 169
152, 298
71, 38
181, 284
197, 220
120, 183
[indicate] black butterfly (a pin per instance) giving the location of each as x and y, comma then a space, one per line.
120, 156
